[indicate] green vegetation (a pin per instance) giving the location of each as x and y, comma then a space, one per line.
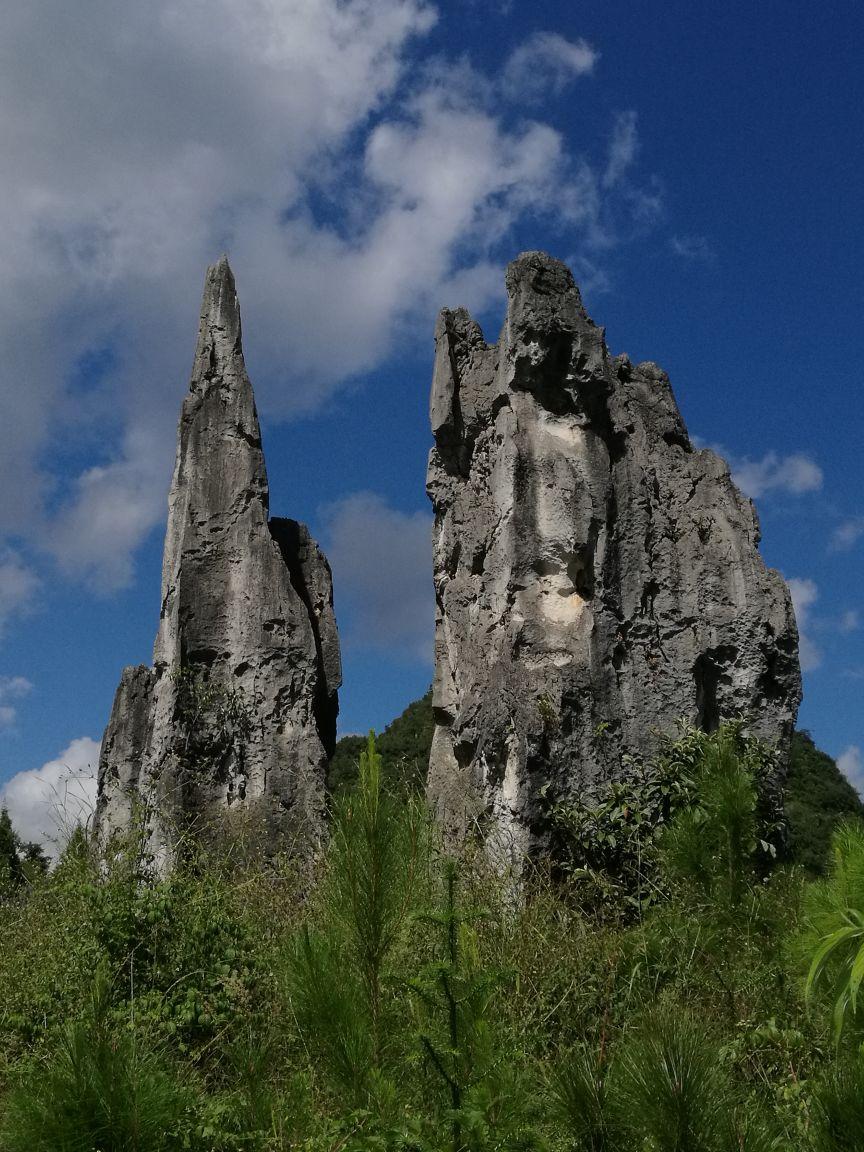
403, 746
704, 809
678, 985
818, 797
20, 863
834, 921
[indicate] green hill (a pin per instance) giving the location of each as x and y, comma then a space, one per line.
403, 745
818, 795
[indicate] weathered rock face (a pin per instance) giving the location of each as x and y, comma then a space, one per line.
239, 710
596, 577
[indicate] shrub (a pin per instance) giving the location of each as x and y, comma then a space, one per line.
99, 1089
610, 843
834, 925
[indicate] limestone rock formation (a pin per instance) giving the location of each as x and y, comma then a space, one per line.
596, 577
239, 710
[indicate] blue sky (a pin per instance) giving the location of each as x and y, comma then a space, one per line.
365, 163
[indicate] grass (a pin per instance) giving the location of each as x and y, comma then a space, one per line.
408, 1001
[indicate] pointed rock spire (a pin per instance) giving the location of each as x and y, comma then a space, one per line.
220, 312
220, 479
247, 636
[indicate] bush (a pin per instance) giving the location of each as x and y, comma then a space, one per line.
99, 1089
611, 843
401, 998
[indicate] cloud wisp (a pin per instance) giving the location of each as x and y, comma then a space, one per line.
794, 474
846, 535
850, 621
851, 765
12, 688
622, 149
693, 248
546, 62
18, 586
804, 594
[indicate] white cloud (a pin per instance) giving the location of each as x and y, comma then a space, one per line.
18, 586
110, 510
804, 595
850, 621
847, 534
45, 804
352, 187
382, 573
622, 149
442, 175
134, 142
794, 474
851, 765
546, 62
11, 688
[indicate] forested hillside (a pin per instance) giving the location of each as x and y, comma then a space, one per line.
403, 746
818, 795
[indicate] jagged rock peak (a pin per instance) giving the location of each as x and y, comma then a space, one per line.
220, 327
597, 579
541, 291
246, 624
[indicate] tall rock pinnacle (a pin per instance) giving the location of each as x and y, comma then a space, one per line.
239, 710
596, 577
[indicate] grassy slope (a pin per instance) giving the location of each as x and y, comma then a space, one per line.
235, 1003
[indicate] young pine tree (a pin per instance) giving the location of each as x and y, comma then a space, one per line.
342, 971
710, 845
487, 1105
99, 1089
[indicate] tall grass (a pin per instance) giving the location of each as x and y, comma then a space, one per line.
408, 1001
100, 1088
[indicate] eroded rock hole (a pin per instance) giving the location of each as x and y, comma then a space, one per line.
709, 672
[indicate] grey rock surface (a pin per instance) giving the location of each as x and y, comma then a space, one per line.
596, 577
247, 608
